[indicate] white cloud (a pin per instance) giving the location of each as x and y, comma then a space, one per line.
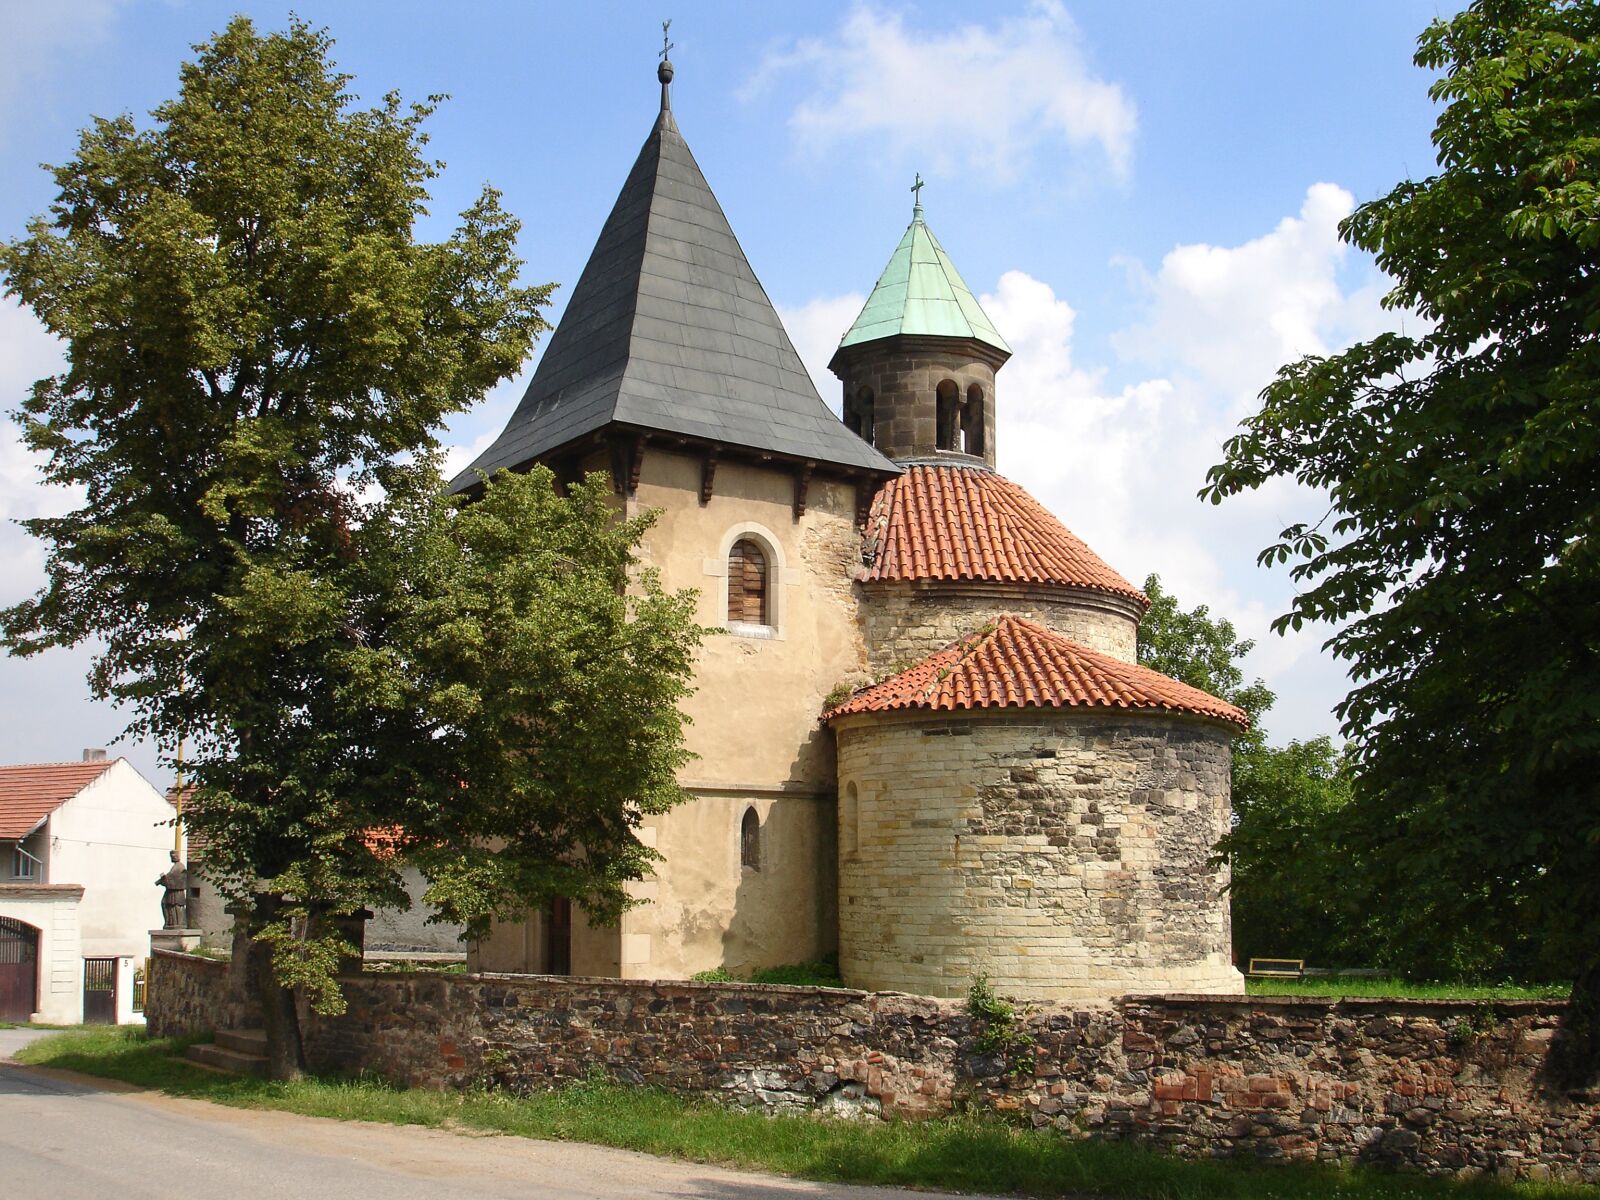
1005, 98
1121, 462
37, 37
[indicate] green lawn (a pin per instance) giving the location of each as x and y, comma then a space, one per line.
959, 1153
1348, 985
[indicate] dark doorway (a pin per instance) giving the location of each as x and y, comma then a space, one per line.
558, 937
99, 991
19, 970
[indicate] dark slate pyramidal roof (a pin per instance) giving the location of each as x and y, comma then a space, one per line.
669, 331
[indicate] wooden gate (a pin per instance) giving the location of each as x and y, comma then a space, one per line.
19, 970
99, 991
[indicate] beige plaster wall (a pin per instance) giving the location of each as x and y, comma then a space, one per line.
1063, 854
753, 719
519, 947
758, 694
904, 622
704, 909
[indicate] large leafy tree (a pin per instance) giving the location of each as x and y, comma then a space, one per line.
260, 351
1459, 563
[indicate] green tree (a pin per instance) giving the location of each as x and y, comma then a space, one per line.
260, 353
1204, 652
1459, 562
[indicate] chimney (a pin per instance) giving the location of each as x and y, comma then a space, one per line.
92, 755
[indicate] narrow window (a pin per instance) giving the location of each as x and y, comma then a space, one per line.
866, 415
972, 422
948, 415
850, 821
750, 840
747, 584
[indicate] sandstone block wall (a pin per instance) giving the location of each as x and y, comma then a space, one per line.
904, 375
1433, 1086
903, 623
1063, 854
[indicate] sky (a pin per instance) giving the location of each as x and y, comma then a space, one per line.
1144, 196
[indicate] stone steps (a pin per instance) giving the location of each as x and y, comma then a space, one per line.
237, 1051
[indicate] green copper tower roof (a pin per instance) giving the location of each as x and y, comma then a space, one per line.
921, 293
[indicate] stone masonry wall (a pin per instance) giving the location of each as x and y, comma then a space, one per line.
903, 623
904, 375
1448, 1088
1065, 854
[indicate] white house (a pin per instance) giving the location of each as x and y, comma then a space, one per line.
82, 846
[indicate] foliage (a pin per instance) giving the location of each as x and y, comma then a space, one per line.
1290, 890
968, 1153
1203, 651
999, 1033
1458, 561
367, 675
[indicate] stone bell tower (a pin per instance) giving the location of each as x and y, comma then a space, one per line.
918, 365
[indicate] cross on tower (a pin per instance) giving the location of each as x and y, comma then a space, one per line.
916, 191
665, 44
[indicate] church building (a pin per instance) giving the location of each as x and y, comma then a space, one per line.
922, 740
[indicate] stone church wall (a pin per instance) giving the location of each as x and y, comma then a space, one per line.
1063, 854
903, 623
1448, 1088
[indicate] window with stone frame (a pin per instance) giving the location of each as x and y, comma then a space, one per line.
750, 840
748, 581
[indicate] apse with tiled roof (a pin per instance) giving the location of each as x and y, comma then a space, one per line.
1017, 797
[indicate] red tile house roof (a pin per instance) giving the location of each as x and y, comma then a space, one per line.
939, 522
31, 792
1017, 663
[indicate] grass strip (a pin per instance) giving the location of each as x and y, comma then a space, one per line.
1360, 987
962, 1153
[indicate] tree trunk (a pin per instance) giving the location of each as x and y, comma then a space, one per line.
280, 1017
1575, 1056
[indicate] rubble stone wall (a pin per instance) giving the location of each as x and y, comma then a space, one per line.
1442, 1087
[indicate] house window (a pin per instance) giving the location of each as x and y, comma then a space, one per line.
23, 864
750, 840
747, 584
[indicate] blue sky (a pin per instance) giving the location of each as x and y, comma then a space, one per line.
1143, 194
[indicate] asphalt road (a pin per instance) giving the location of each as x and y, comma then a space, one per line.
72, 1138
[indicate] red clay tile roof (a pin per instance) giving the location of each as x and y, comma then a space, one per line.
1020, 664
939, 522
31, 792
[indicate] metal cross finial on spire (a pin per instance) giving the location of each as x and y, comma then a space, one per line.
916, 192
664, 71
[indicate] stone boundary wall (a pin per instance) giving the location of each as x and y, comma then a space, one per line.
1443, 1087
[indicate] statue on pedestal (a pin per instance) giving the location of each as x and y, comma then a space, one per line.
175, 900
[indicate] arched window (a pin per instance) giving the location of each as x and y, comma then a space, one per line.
972, 430
866, 415
850, 821
750, 840
747, 584
948, 415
